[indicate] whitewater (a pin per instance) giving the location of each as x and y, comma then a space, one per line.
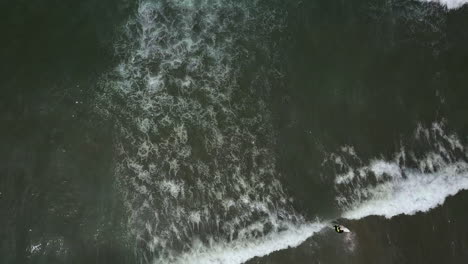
196, 160
196, 164
450, 4
409, 182
442, 172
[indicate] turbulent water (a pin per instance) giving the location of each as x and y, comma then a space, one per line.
410, 182
450, 4
195, 139
196, 145
217, 131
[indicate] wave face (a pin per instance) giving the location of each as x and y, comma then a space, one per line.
450, 4
410, 182
196, 162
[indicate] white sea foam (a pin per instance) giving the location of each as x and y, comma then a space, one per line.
450, 4
381, 168
197, 163
419, 192
35, 248
240, 251
51, 245
391, 187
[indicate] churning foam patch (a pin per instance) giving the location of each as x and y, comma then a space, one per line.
198, 185
450, 4
410, 182
239, 251
418, 192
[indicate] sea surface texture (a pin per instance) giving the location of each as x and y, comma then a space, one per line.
229, 132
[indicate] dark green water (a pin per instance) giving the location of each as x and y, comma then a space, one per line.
195, 131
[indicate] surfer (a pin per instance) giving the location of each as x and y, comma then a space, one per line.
338, 229
341, 228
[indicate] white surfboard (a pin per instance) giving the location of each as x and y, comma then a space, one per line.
345, 229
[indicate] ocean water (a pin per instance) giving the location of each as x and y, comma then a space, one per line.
218, 131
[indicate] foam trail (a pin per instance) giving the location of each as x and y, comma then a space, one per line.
450, 4
241, 251
411, 182
420, 192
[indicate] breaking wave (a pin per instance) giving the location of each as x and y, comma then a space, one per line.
450, 4
242, 250
408, 183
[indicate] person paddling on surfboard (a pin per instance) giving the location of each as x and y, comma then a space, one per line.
338, 229
341, 228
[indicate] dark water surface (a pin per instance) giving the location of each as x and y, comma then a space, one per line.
222, 131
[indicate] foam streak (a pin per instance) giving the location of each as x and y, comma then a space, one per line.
420, 192
241, 251
413, 181
450, 4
